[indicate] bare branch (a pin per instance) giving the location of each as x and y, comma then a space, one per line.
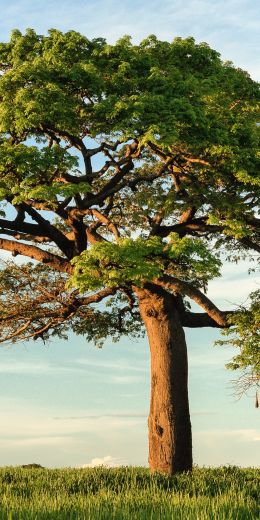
97, 297
18, 331
75, 141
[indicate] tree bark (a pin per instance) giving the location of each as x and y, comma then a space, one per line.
170, 439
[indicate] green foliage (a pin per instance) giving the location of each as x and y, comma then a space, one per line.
130, 493
244, 334
142, 260
192, 259
46, 192
27, 172
117, 264
232, 227
159, 91
253, 180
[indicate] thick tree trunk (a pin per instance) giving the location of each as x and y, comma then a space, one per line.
170, 440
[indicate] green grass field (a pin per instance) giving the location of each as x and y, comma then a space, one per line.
129, 493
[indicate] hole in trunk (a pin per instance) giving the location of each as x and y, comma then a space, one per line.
159, 430
152, 312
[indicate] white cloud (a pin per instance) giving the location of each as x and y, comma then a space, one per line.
207, 360
246, 435
108, 461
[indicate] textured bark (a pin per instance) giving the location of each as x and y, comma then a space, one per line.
170, 440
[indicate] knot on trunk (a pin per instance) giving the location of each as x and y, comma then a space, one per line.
151, 312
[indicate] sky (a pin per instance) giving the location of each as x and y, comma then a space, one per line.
72, 404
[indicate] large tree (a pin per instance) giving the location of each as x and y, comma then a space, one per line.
126, 173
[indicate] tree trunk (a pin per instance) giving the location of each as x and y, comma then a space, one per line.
170, 440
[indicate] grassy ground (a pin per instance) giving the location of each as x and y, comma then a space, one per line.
227, 493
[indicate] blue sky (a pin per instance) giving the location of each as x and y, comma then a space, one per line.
71, 404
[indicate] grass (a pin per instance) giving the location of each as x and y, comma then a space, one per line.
226, 493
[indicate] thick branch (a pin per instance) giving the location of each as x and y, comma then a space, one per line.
179, 286
18, 248
79, 232
192, 227
249, 243
57, 236
93, 236
21, 227
187, 215
202, 319
105, 220
110, 187
26, 238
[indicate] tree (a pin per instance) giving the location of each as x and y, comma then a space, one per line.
126, 171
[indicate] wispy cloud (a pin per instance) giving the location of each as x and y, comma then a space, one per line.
34, 368
103, 415
36, 441
118, 415
79, 367
245, 435
125, 379
118, 365
197, 360
29, 423
215, 447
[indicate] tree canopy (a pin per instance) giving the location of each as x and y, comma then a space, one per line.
123, 166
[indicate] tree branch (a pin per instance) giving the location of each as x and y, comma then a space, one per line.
105, 220
202, 319
193, 227
97, 297
76, 142
249, 243
179, 286
54, 261
62, 242
21, 227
